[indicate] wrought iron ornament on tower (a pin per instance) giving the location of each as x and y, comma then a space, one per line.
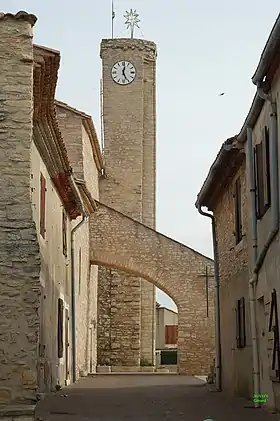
132, 20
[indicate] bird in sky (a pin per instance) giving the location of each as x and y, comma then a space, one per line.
222, 94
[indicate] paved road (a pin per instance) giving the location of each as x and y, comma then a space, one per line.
145, 398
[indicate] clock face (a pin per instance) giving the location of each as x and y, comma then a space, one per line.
123, 72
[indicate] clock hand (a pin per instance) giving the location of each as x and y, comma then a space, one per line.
123, 72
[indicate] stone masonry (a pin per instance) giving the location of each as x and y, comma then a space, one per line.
121, 243
127, 332
19, 256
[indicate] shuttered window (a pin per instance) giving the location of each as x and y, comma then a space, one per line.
240, 323
64, 232
60, 328
238, 211
42, 206
80, 269
262, 174
171, 334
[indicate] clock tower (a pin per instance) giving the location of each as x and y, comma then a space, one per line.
126, 326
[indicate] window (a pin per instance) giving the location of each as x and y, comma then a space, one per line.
240, 323
80, 269
274, 327
64, 232
262, 175
60, 328
171, 334
238, 211
42, 206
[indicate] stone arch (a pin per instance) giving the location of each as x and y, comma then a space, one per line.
119, 242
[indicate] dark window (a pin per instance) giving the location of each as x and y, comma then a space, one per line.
240, 323
80, 269
171, 334
262, 175
60, 328
64, 232
238, 211
42, 206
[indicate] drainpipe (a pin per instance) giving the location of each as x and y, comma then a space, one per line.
217, 298
73, 286
259, 259
253, 280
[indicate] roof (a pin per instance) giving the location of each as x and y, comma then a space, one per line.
46, 133
225, 165
90, 129
166, 308
23, 16
229, 155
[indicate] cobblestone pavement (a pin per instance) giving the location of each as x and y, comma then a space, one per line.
144, 398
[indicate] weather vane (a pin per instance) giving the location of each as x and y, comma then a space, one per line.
132, 20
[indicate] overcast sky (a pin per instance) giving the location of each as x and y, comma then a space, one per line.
204, 48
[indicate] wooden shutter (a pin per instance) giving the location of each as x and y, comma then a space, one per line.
266, 168
60, 328
237, 325
171, 334
259, 179
42, 206
64, 232
242, 323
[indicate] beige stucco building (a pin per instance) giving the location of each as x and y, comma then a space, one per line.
166, 328
77, 276
242, 191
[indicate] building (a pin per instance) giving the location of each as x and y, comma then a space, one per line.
166, 328
242, 191
76, 272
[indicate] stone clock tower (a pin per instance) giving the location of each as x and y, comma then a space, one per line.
126, 326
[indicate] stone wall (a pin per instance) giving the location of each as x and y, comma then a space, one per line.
19, 249
121, 243
148, 304
234, 278
129, 186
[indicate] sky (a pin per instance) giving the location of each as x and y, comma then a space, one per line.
204, 48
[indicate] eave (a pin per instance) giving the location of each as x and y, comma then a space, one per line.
89, 202
47, 136
225, 166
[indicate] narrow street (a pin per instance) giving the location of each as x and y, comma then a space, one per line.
145, 397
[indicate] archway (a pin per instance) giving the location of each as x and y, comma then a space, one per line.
119, 242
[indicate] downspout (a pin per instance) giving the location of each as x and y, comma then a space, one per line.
73, 286
259, 259
253, 279
217, 297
